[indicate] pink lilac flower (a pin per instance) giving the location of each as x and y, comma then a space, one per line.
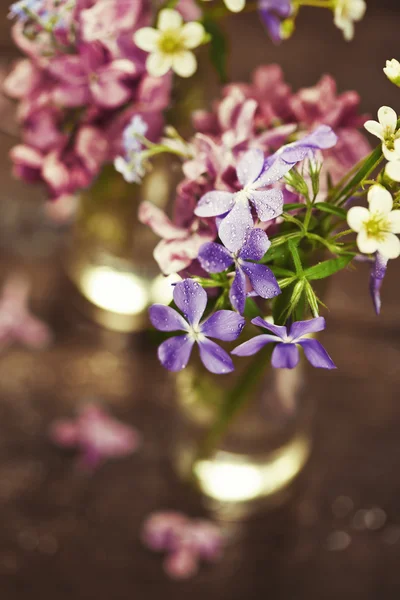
377, 276
286, 354
224, 325
215, 258
96, 435
17, 324
91, 77
181, 241
272, 12
186, 541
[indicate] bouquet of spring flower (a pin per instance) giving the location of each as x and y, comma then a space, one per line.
272, 179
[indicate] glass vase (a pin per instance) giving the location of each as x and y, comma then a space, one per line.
109, 257
251, 459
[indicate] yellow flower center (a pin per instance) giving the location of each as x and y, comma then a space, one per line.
171, 42
377, 226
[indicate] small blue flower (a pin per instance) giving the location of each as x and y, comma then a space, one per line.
286, 354
272, 12
214, 258
22, 8
137, 127
224, 325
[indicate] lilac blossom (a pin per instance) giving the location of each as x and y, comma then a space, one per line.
92, 77
377, 276
132, 166
17, 324
237, 218
185, 541
286, 354
214, 258
272, 12
224, 325
96, 435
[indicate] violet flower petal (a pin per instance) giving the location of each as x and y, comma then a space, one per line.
262, 279
316, 354
300, 328
277, 168
268, 204
191, 299
272, 23
207, 539
165, 318
214, 358
256, 245
235, 227
254, 345
279, 330
214, 203
377, 276
250, 166
181, 564
161, 530
237, 293
223, 325
175, 352
214, 258
285, 356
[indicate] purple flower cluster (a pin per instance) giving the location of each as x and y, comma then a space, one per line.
79, 87
185, 541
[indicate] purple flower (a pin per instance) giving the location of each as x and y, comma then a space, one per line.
322, 138
268, 204
185, 541
286, 354
224, 325
96, 434
271, 12
214, 258
377, 276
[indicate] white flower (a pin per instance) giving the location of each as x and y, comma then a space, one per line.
376, 226
346, 12
234, 5
170, 44
385, 130
393, 169
132, 169
392, 71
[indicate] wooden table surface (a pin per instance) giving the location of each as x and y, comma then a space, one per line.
65, 534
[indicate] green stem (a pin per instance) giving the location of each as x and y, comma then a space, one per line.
235, 400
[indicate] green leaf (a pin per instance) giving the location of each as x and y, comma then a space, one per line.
312, 299
170, 3
282, 239
281, 272
296, 257
294, 206
328, 267
331, 209
218, 48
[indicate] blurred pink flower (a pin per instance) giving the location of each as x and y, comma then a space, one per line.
92, 77
70, 168
186, 541
96, 435
17, 324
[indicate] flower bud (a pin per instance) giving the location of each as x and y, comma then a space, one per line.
392, 71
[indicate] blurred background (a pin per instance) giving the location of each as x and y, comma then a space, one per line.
66, 534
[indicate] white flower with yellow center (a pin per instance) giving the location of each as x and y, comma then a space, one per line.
377, 225
234, 5
386, 130
346, 12
170, 44
392, 71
